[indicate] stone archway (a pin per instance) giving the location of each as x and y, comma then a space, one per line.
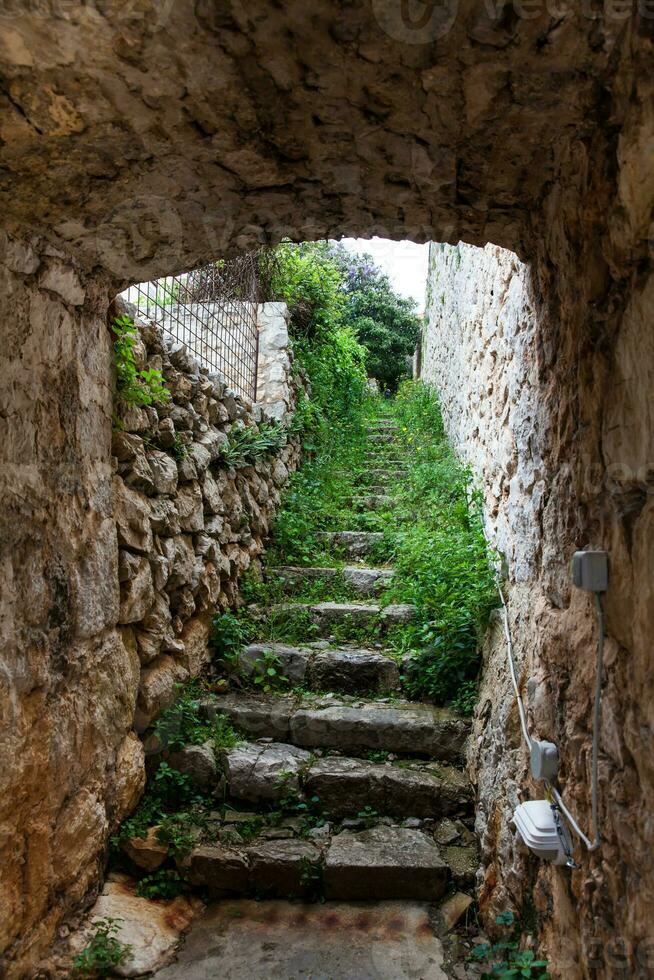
141, 138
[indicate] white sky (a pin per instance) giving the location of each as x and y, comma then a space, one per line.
405, 263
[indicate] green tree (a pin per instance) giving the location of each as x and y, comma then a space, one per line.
385, 323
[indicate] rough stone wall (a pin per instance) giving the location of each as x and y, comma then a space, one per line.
188, 525
274, 373
69, 765
193, 128
564, 456
114, 554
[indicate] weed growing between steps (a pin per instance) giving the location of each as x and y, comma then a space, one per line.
441, 558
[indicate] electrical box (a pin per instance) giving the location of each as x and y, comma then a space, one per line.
544, 760
590, 570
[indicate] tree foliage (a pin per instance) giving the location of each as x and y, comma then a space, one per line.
385, 323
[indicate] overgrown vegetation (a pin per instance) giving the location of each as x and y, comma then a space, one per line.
135, 387
432, 536
247, 443
103, 952
505, 959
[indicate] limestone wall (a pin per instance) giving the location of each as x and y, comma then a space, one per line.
559, 434
114, 552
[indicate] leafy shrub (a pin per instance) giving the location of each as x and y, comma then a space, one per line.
247, 444
268, 674
104, 952
135, 387
229, 635
182, 725
162, 883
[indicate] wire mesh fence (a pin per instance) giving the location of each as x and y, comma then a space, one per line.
213, 311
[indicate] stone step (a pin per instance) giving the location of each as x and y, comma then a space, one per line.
355, 544
268, 772
383, 862
374, 501
387, 475
330, 615
348, 725
382, 437
345, 669
363, 581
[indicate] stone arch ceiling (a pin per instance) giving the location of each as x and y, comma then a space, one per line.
147, 136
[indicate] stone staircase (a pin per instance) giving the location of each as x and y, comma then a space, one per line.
343, 789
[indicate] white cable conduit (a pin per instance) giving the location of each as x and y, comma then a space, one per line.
595, 843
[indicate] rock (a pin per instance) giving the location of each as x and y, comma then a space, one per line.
128, 780
212, 495
220, 869
384, 862
132, 516
138, 473
188, 501
184, 569
164, 472
454, 908
397, 614
264, 772
367, 581
154, 629
157, 690
256, 716
446, 832
281, 867
353, 670
294, 660
146, 852
136, 592
166, 433
152, 928
187, 469
62, 279
406, 728
125, 446
200, 456
135, 419
214, 441
463, 862
198, 762
355, 544
346, 785
164, 517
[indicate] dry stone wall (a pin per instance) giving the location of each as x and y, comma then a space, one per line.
188, 525
115, 549
560, 438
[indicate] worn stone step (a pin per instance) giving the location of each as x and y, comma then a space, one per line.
382, 473
363, 581
373, 501
355, 544
262, 772
345, 669
382, 862
346, 785
327, 616
351, 726
383, 437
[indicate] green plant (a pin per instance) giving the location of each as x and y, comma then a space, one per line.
229, 634
135, 387
103, 952
183, 724
179, 449
163, 883
267, 673
505, 959
369, 814
247, 444
312, 880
